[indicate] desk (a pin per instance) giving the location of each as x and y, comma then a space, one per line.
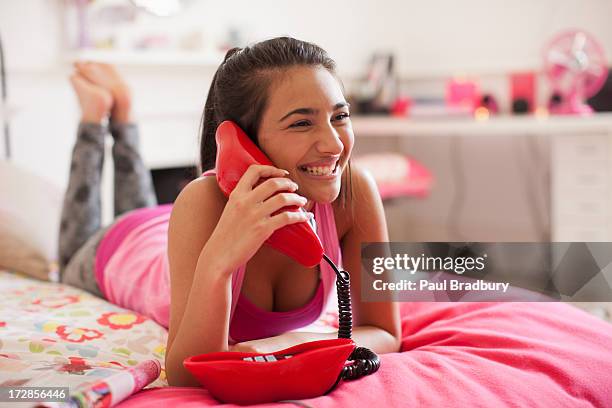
502, 179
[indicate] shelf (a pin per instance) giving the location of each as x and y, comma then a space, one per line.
148, 58
373, 126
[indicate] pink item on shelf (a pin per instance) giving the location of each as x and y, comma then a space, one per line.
523, 86
575, 64
489, 102
401, 106
462, 93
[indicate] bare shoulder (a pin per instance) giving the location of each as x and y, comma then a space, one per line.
201, 191
195, 214
363, 201
200, 201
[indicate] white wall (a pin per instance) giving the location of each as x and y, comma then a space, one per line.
431, 39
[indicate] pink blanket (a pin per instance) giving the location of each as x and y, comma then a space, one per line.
470, 354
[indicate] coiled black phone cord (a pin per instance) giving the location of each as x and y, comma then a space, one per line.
365, 361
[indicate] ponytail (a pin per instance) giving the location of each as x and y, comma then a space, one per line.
210, 121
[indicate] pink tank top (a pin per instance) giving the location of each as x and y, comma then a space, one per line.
249, 322
131, 268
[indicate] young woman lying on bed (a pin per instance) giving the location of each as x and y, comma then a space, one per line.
228, 291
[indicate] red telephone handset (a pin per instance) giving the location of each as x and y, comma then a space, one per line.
235, 153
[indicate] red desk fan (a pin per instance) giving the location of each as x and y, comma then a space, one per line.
575, 65
303, 371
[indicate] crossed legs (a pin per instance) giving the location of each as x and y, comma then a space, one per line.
101, 93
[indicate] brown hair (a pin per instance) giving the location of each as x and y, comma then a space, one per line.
239, 89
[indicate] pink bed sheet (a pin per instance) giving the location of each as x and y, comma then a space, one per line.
470, 354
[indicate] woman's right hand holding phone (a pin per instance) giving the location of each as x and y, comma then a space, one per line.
247, 220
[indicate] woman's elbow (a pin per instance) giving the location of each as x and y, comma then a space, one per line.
397, 347
394, 344
180, 378
177, 375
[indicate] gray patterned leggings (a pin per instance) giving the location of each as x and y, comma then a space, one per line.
80, 229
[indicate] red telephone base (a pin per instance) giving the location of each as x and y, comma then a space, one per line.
306, 370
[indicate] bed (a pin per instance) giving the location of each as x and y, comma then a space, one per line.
453, 354
58, 335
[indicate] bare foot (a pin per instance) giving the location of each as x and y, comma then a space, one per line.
96, 102
107, 77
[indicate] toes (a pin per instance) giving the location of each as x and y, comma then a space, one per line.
81, 84
91, 72
94, 100
82, 67
78, 82
101, 74
88, 71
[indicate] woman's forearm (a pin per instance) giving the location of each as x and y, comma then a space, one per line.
205, 322
374, 338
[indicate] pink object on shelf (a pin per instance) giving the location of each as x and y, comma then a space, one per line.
401, 106
523, 86
462, 93
397, 175
575, 64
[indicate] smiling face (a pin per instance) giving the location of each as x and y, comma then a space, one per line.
306, 130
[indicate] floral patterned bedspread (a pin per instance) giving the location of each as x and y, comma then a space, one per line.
57, 335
